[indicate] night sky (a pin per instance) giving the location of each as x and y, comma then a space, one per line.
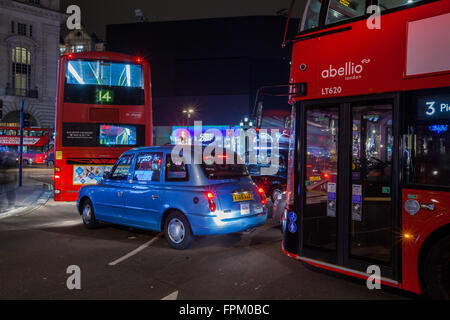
98, 13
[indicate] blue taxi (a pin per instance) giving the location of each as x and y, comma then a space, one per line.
147, 189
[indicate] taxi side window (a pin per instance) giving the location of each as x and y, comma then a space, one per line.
176, 171
148, 167
122, 168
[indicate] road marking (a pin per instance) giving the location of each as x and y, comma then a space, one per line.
136, 251
171, 297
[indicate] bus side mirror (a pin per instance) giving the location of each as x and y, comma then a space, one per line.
106, 175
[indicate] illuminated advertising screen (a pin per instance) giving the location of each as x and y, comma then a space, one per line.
102, 135
114, 135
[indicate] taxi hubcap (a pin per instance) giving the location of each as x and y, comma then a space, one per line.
87, 213
176, 231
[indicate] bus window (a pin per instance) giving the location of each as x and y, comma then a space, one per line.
100, 73
427, 142
322, 132
101, 82
340, 10
390, 4
312, 15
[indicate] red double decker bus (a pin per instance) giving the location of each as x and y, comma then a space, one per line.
37, 143
370, 157
103, 109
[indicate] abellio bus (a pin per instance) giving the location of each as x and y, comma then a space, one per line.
370, 160
103, 109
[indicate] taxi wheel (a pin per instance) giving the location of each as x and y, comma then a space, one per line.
178, 231
275, 194
88, 215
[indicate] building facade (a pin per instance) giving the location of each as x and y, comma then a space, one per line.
212, 66
29, 53
80, 41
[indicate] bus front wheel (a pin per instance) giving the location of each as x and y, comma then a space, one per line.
437, 270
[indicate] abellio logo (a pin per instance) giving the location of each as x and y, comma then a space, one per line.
350, 70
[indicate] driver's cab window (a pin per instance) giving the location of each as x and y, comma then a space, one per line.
122, 167
391, 4
311, 17
340, 10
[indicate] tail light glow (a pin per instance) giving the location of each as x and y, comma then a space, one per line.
211, 201
262, 194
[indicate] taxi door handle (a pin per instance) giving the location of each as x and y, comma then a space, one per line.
155, 197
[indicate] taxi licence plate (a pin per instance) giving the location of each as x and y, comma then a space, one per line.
242, 197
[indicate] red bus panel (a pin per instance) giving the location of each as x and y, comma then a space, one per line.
103, 109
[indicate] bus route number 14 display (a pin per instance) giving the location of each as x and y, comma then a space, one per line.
105, 96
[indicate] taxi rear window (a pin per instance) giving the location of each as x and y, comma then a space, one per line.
216, 168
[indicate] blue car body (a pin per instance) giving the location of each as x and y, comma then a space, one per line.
143, 200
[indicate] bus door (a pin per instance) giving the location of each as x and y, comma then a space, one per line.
349, 201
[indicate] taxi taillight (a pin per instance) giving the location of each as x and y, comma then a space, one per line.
262, 194
211, 201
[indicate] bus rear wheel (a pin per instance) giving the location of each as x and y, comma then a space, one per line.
437, 270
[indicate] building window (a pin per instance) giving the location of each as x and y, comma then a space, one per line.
31, 31
37, 2
13, 25
21, 70
22, 29
79, 48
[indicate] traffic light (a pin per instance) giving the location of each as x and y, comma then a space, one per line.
1, 109
26, 120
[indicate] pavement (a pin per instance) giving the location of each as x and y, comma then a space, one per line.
36, 190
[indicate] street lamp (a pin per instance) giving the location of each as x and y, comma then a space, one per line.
189, 113
247, 124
